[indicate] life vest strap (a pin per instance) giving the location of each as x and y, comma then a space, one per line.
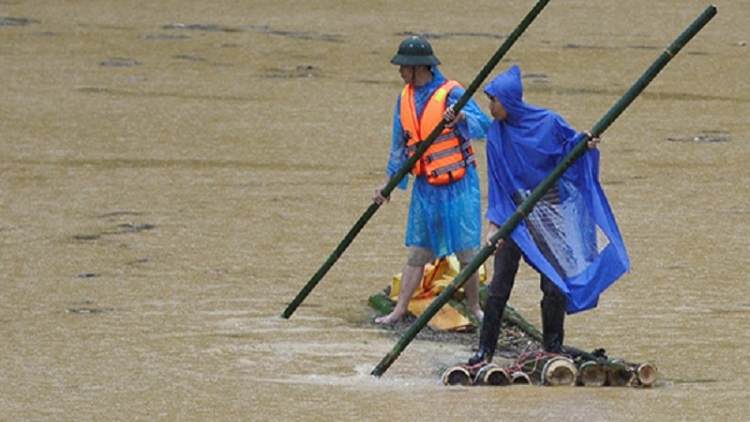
455, 166
446, 136
442, 138
463, 148
441, 154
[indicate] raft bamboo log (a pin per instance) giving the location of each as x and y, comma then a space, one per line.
559, 371
457, 375
546, 368
409, 164
619, 377
526, 207
591, 374
646, 375
520, 378
492, 374
382, 303
532, 364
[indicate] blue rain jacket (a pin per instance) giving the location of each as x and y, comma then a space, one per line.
571, 235
446, 218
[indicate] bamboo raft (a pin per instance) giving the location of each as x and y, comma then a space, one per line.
549, 369
579, 368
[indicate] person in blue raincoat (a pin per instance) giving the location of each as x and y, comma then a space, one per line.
445, 209
570, 237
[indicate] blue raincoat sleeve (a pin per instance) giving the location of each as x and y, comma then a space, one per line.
398, 155
476, 124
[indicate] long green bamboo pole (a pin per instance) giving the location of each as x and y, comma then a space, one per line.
396, 179
527, 205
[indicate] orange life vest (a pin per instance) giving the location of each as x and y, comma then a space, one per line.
447, 158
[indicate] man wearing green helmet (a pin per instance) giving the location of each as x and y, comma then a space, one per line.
445, 209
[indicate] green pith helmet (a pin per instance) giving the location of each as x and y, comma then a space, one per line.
415, 51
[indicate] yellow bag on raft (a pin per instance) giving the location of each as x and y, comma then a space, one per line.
436, 278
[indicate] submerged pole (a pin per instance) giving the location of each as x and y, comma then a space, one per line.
527, 205
409, 164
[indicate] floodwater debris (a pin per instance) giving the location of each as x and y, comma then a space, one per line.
86, 236
438, 35
306, 35
718, 136
85, 307
166, 37
88, 311
301, 71
607, 47
189, 58
123, 228
303, 68
119, 62
201, 27
132, 228
119, 214
536, 78
9, 21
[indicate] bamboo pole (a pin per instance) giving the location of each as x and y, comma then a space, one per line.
396, 179
526, 207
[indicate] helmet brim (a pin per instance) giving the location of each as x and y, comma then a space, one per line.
408, 60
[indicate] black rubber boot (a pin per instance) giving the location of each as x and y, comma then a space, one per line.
553, 306
498, 294
493, 315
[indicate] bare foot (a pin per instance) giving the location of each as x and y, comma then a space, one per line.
389, 319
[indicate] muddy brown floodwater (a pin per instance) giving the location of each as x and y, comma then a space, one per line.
172, 173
